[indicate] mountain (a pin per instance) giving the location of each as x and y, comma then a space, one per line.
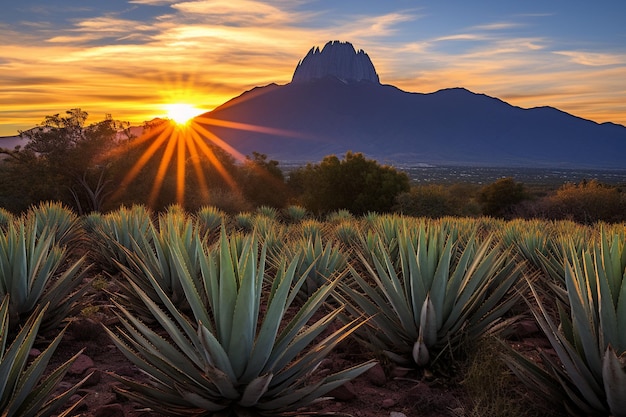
335, 103
337, 59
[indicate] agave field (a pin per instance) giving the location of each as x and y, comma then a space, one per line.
236, 315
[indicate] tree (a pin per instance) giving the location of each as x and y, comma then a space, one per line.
355, 183
63, 160
262, 181
499, 198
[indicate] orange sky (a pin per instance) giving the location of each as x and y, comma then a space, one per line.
135, 57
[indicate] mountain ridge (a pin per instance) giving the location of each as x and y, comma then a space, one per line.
450, 126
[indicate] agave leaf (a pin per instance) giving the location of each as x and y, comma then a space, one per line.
420, 352
32, 375
428, 323
218, 357
381, 317
290, 368
15, 358
201, 402
244, 318
192, 287
614, 378
310, 392
582, 313
577, 370
182, 340
389, 284
161, 369
255, 390
266, 337
533, 375
39, 401
157, 399
437, 294
295, 325
227, 291
410, 268
455, 281
152, 345
24, 390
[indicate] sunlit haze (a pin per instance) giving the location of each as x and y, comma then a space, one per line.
132, 58
181, 113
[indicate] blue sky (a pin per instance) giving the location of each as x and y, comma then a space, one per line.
130, 58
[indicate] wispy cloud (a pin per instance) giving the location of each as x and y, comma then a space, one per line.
593, 59
153, 2
497, 26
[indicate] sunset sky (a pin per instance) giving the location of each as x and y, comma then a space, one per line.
131, 58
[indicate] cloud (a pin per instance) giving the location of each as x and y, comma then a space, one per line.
497, 26
242, 12
593, 59
153, 2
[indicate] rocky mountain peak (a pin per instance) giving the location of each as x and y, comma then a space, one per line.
338, 59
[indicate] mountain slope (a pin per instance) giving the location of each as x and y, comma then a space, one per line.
452, 126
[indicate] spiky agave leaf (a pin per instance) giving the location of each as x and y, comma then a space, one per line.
589, 341
111, 236
230, 356
24, 390
54, 218
32, 272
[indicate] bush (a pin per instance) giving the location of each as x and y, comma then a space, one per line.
500, 198
587, 202
436, 201
355, 183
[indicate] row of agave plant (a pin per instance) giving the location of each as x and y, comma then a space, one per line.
232, 315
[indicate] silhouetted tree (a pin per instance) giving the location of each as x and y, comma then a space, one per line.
263, 182
355, 183
64, 160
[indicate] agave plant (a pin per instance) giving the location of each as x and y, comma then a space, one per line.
267, 211
532, 241
318, 262
55, 218
311, 229
339, 216
347, 232
440, 292
209, 219
244, 221
155, 254
25, 389
6, 217
295, 214
590, 339
272, 234
33, 271
113, 235
232, 357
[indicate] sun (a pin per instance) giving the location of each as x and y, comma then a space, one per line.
182, 113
